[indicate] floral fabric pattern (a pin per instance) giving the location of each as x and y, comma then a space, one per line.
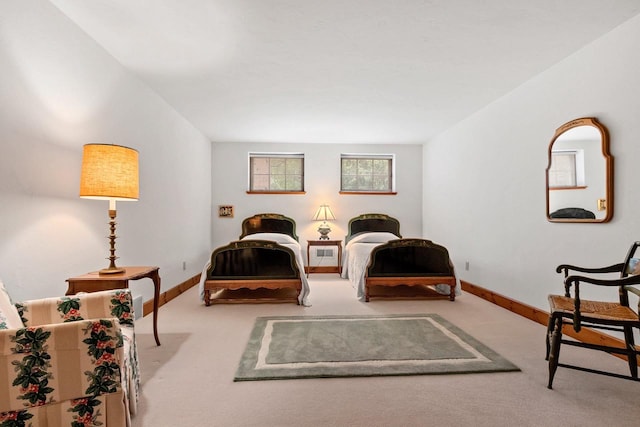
86, 412
105, 377
122, 307
33, 370
70, 309
83, 412
15, 418
106, 351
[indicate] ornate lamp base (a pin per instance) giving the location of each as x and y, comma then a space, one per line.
324, 231
109, 270
112, 269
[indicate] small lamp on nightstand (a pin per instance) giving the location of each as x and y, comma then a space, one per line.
323, 214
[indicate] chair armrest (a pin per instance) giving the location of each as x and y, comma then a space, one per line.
575, 280
59, 362
95, 305
635, 291
632, 290
615, 268
566, 268
626, 281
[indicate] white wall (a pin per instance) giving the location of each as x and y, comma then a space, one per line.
484, 179
322, 185
58, 91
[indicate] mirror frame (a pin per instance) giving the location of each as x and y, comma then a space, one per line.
608, 158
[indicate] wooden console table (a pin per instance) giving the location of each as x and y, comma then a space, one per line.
93, 282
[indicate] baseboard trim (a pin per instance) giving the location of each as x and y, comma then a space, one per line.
165, 297
541, 316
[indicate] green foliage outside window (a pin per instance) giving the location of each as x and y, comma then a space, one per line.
277, 174
366, 174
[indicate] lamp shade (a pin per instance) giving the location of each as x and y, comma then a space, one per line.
109, 172
324, 213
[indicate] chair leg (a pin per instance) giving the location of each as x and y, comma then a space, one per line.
548, 337
631, 348
554, 354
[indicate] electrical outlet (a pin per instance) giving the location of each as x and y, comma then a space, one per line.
466, 265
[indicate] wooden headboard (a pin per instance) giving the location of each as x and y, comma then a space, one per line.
372, 222
269, 223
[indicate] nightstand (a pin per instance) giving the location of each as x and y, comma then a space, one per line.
93, 282
337, 243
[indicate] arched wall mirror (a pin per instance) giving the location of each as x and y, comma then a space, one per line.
580, 173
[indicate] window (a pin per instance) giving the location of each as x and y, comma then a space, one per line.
567, 169
276, 172
367, 173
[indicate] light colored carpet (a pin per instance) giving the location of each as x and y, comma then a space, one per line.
288, 347
188, 381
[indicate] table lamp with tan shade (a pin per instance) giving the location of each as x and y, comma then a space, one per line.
324, 214
110, 172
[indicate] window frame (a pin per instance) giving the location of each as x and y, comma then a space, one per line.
370, 156
274, 155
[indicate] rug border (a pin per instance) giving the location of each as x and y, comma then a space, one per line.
246, 372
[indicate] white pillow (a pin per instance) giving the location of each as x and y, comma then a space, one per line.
9, 317
274, 237
376, 237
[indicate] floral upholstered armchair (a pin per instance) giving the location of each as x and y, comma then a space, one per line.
68, 361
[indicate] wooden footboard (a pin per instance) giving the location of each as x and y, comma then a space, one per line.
253, 265
410, 263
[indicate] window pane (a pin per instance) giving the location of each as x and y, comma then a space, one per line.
294, 183
381, 166
381, 183
277, 166
365, 182
277, 183
349, 167
350, 182
260, 183
365, 166
293, 166
260, 165
563, 170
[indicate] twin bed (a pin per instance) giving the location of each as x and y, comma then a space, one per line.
266, 264
381, 264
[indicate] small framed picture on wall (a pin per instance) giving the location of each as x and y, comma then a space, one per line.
225, 211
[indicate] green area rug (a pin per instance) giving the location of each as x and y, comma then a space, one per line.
361, 346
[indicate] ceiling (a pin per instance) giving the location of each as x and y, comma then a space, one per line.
339, 71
